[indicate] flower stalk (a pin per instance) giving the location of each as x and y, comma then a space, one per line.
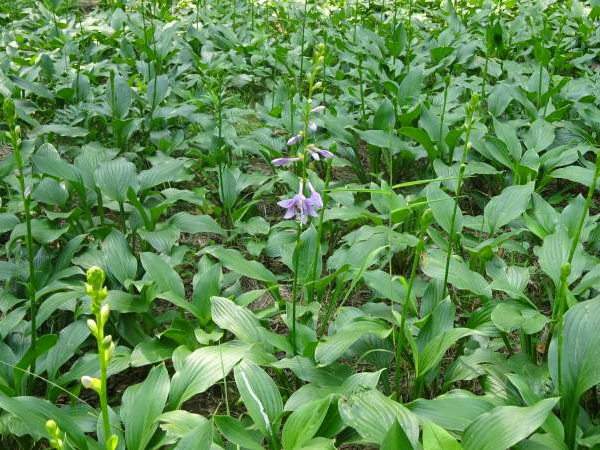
97, 292
14, 135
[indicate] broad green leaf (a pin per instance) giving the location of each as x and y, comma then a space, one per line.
141, 406
437, 347
580, 352
442, 207
163, 275
200, 438
240, 321
302, 425
505, 426
189, 223
236, 433
203, 368
436, 438
372, 414
334, 346
459, 275
396, 439
233, 260
115, 177
118, 258
507, 206
260, 396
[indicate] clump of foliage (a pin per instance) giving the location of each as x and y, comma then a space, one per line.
311, 224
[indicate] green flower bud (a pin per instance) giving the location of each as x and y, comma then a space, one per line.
95, 278
8, 107
91, 383
51, 427
112, 442
93, 327
104, 313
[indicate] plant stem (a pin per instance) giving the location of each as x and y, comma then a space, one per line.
295, 286
313, 277
31, 285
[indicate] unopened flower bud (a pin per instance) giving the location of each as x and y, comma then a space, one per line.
104, 313
93, 327
51, 427
565, 271
91, 383
95, 277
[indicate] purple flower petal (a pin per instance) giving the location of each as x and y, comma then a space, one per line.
312, 127
318, 109
294, 140
325, 153
284, 161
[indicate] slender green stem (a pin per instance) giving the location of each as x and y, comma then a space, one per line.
461, 173
401, 337
31, 284
295, 287
103, 394
313, 276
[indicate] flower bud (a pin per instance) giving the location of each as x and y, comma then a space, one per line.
112, 442
51, 427
104, 313
8, 107
95, 278
91, 383
93, 327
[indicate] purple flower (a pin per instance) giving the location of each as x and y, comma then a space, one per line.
294, 140
318, 109
301, 207
316, 153
315, 198
312, 127
284, 161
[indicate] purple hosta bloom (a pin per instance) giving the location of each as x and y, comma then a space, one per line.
317, 153
318, 109
312, 127
297, 138
301, 207
284, 161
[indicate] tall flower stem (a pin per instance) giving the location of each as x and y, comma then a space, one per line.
295, 286
313, 276
401, 336
14, 135
461, 173
95, 289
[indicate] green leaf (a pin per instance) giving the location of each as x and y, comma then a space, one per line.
142, 405
163, 275
118, 258
334, 346
396, 439
434, 350
442, 207
511, 316
119, 96
233, 260
203, 368
200, 438
385, 116
240, 321
235, 433
372, 414
260, 396
302, 425
69, 340
507, 206
505, 426
189, 223
459, 275
115, 177
61, 130
436, 438
580, 353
